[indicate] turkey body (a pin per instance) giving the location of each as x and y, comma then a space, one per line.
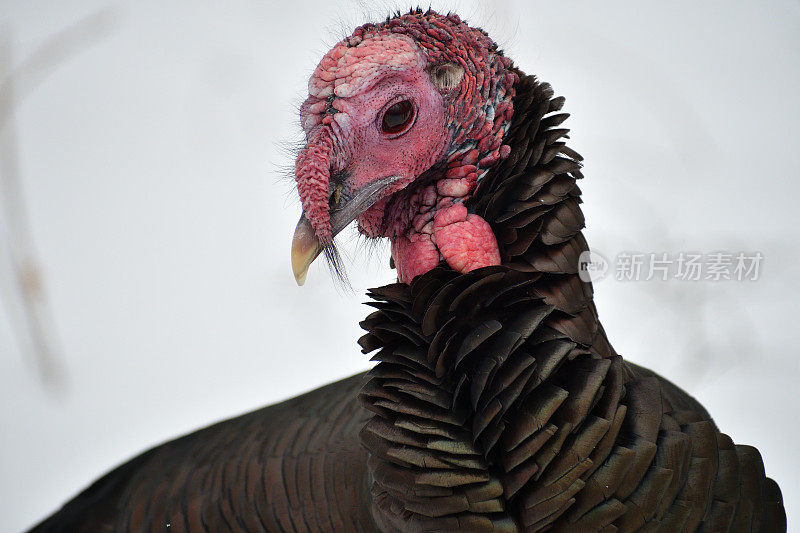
497, 403
496, 410
299, 466
293, 466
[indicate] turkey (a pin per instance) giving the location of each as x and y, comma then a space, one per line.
496, 403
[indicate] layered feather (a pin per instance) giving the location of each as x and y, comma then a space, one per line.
499, 404
496, 404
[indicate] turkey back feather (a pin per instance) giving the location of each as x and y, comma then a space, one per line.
496, 404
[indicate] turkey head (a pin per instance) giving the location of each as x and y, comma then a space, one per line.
402, 121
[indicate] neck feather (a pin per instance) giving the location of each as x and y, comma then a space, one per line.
483, 377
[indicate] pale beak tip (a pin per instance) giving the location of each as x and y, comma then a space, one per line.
300, 276
305, 248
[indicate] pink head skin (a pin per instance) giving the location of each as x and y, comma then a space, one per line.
406, 174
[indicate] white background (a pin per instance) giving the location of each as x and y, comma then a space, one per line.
152, 156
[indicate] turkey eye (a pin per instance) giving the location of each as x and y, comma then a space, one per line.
398, 117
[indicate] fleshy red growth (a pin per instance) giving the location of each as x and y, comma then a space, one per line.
313, 174
414, 255
465, 240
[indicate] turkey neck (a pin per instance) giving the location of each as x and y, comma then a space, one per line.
532, 201
481, 376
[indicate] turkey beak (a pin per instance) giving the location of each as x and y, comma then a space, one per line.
345, 207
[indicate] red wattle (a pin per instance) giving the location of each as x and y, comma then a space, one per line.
465, 240
413, 256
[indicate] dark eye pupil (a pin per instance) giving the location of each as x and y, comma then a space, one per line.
397, 117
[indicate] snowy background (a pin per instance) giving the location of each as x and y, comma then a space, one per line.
147, 142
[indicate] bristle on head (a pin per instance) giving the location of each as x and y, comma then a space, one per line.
336, 266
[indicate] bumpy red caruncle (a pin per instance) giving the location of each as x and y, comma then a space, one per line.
456, 137
313, 163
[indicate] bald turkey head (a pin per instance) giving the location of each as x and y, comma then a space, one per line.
402, 121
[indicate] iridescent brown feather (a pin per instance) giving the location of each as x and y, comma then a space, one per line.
497, 404
500, 404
